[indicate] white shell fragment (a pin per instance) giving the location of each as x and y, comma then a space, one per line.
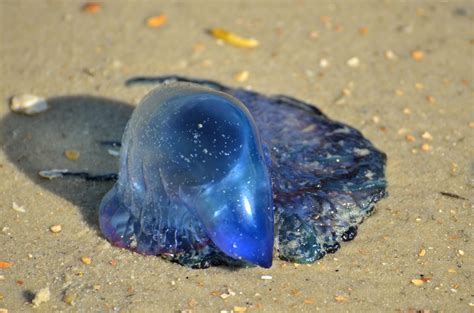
28, 104
51, 174
18, 208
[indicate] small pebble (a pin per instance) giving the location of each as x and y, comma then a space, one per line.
407, 111
461, 252
72, 155
56, 228
156, 21
410, 138
363, 31
390, 55
2, 310
399, 92
425, 147
41, 296
422, 253
427, 136
86, 260
431, 99
353, 62
341, 299
313, 35
323, 63
417, 55
28, 104
91, 7
240, 309
242, 76
419, 86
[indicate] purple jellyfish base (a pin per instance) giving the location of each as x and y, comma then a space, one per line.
325, 179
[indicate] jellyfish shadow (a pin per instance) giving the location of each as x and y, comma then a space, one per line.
34, 143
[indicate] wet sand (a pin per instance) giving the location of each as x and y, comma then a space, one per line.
410, 92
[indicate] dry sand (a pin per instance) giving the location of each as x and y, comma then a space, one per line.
79, 62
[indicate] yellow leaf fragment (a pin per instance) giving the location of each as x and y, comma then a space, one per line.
234, 39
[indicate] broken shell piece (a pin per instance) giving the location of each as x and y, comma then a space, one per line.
51, 174
28, 104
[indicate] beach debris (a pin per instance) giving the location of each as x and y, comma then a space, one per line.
54, 173
2, 310
452, 195
234, 39
57, 228
113, 152
461, 252
340, 298
431, 99
86, 260
70, 298
242, 76
308, 301
18, 208
345, 93
28, 104
313, 35
390, 55
417, 55
417, 282
363, 31
91, 7
228, 293
422, 253
266, 277
156, 21
426, 147
323, 63
240, 309
4, 264
410, 138
427, 136
72, 155
353, 62
407, 111
41, 296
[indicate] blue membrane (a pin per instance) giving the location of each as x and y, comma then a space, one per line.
207, 172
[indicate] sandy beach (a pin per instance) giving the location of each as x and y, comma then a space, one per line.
400, 72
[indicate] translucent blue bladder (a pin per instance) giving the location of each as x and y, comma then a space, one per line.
193, 181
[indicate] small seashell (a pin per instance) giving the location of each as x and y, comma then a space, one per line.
28, 104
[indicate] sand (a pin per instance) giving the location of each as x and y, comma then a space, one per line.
417, 107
